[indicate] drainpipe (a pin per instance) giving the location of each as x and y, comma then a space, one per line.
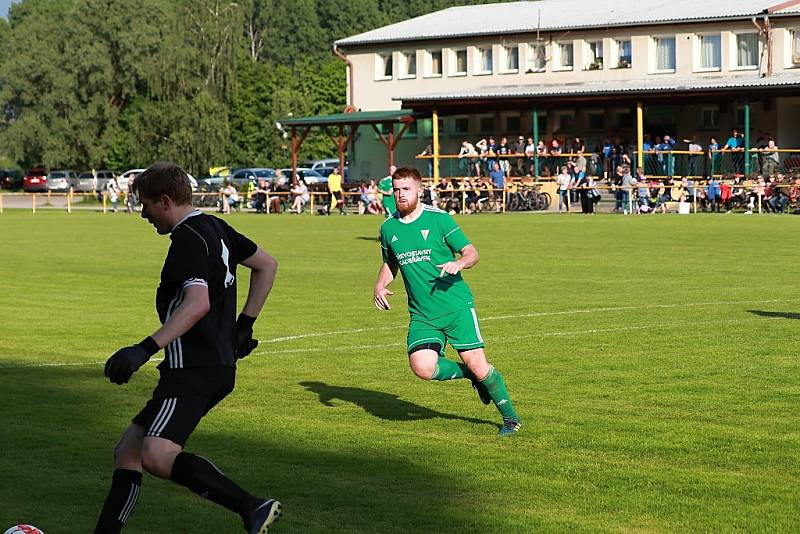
351, 83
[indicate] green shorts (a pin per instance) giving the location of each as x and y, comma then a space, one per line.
459, 328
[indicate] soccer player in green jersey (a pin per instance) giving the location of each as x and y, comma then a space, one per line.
422, 243
385, 187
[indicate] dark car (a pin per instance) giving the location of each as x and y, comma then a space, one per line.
241, 177
10, 179
35, 180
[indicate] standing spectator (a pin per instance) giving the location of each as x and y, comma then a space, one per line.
642, 191
713, 156
771, 160
725, 194
498, 177
519, 160
466, 158
616, 182
628, 181
695, 156
554, 158
112, 186
666, 159
363, 197
335, 190
482, 147
735, 145
491, 152
374, 198
563, 180
427, 153
301, 196
130, 196
712, 195
530, 157
586, 195
503, 151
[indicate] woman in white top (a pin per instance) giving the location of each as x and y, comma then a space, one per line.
300, 191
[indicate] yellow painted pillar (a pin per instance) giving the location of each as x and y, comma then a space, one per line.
640, 135
33, 203
1, 203
435, 126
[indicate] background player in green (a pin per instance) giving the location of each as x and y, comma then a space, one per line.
385, 187
421, 241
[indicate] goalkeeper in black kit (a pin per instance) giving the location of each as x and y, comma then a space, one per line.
201, 339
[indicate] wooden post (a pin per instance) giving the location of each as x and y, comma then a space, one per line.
104, 201
293, 178
312, 195
463, 200
435, 125
341, 142
1, 202
747, 138
640, 134
33, 203
536, 141
391, 144
69, 200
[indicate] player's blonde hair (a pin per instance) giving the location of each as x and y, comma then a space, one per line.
407, 172
164, 178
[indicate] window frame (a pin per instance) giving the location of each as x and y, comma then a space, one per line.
504, 54
380, 66
404, 56
529, 65
654, 54
453, 63
456, 130
793, 59
428, 60
709, 127
735, 51
587, 50
558, 66
615, 44
698, 52
478, 58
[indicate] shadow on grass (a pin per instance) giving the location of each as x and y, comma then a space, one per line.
365, 238
784, 315
386, 406
61, 424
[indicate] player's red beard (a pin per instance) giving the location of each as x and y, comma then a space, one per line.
406, 205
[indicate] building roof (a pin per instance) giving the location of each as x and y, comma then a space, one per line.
360, 117
656, 86
561, 15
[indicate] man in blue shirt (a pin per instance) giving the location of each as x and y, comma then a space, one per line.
735, 144
498, 182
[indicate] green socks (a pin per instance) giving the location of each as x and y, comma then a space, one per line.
496, 387
450, 370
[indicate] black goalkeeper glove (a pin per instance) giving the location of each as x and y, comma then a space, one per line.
127, 360
244, 336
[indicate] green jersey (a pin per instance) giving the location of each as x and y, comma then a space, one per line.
418, 247
385, 187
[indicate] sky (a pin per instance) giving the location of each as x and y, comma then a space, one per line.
4, 7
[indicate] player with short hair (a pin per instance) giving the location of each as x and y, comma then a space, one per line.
196, 304
421, 241
387, 195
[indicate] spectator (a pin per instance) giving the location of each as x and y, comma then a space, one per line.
757, 194
112, 186
712, 195
664, 195
519, 160
467, 158
444, 192
714, 156
616, 182
498, 177
130, 197
665, 158
491, 152
261, 195
738, 195
229, 197
335, 190
725, 195
503, 151
300, 196
469, 190
562, 181
695, 156
483, 156
771, 160
642, 191
363, 197
427, 152
277, 202
735, 145
627, 183
586, 195
530, 157
374, 195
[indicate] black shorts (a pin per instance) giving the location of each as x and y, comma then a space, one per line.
181, 398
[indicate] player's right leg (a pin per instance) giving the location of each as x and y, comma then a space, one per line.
126, 482
426, 346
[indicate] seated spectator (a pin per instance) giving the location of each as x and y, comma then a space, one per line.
260, 196
725, 195
229, 198
374, 197
469, 190
642, 191
711, 200
664, 195
300, 196
363, 198
277, 203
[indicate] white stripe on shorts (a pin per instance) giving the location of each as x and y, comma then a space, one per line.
475, 322
163, 417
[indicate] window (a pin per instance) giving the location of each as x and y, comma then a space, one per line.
383, 67
710, 52
596, 120
794, 35
594, 55
624, 57
427, 127
747, 50
566, 121
542, 123
412, 130
624, 118
664, 54
458, 67
739, 118
487, 125
483, 60
434, 63
513, 124
565, 56
510, 58
461, 125
408, 64
537, 57
709, 118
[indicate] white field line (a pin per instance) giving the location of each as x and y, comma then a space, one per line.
505, 338
538, 314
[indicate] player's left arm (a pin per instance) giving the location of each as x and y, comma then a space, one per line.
263, 269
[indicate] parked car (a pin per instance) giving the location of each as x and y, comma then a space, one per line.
310, 176
124, 179
35, 180
241, 177
86, 182
10, 179
102, 179
211, 183
326, 166
62, 180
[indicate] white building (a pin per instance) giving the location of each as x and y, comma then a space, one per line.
581, 67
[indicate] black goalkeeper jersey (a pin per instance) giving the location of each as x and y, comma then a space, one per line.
205, 251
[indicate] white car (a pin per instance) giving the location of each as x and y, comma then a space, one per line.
125, 177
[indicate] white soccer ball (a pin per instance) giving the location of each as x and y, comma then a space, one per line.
23, 529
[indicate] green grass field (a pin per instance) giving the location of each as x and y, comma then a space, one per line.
653, 359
